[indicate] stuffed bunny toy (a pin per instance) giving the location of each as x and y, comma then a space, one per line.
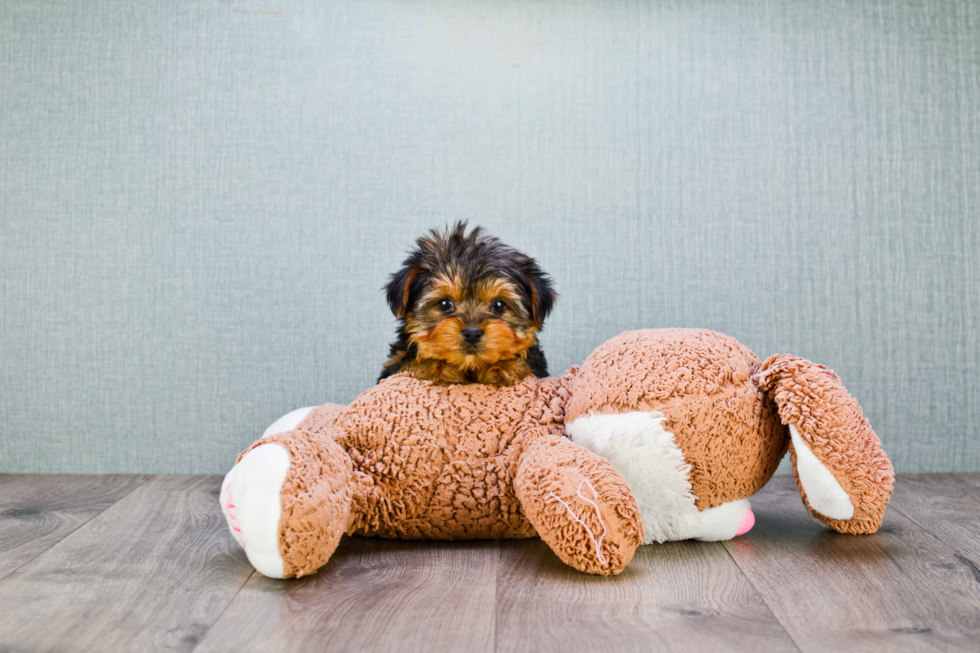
659, 435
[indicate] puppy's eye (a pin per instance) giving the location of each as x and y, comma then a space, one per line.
446, 305
498, 306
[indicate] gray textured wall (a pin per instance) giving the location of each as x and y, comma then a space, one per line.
201, 200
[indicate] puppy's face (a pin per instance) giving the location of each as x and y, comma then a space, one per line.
469, 301
470, 323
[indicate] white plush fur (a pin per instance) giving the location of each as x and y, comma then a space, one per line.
823, 492
250, 500
645, 453
289, 421
722, 522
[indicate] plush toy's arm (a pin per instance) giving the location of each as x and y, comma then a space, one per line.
845, 477
287, 501
317, 420
579, 505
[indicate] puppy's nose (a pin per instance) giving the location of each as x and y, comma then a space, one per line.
472, 334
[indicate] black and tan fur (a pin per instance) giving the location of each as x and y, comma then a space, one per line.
469, 309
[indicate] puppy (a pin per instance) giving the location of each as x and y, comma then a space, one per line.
469, 309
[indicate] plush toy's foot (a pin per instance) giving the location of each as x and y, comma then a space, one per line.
645, 453
287, 501
726, 521
844, 476
579, 505
250, 500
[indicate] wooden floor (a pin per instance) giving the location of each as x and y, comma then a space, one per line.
138, 563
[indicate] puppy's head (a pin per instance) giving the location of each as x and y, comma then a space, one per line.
467, 299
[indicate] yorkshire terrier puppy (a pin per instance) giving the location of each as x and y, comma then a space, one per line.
469, 309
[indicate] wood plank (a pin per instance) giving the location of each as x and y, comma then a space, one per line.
679, 596
901, 588
970, 479
377, 595
947, 506
149, 565
152, 572
37, 511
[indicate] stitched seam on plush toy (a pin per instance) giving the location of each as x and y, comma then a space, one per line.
597, 542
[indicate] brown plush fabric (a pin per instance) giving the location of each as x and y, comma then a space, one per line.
316, 500
556, 481
321, 419
409, 459
701, 381
438, 462
830, 421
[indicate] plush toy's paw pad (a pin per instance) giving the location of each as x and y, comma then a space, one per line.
250, 500
748, 521
726, 521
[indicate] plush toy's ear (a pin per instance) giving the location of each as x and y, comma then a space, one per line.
844, 475
400, 287
541, 296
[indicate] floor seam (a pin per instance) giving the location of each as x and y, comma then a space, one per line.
927, 531
726, 544
223, 611
148, 478
496, 596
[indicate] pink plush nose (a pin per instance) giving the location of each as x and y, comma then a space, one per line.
748, 521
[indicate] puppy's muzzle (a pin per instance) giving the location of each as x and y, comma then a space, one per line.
472, 334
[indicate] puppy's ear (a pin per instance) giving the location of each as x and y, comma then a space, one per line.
541, 296
399, 289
